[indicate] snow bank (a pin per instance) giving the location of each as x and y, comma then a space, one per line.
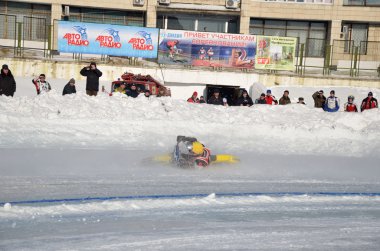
80, 121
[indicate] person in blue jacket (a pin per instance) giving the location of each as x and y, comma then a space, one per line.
332, 103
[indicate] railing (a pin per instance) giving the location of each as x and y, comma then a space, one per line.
34, 38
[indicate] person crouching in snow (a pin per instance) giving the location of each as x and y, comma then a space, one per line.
332, 103
42, 86
121, 89
189, 152
69, 87
193, 98
7, 82
147, 93
350, 106
261, 100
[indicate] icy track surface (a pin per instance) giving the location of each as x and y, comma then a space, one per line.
307, 180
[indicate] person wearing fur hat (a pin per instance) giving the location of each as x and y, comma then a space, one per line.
7, 82
193, 98
69, 87
92, 83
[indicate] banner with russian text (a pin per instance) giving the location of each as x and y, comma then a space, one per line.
275, 53
107, 39
206, 49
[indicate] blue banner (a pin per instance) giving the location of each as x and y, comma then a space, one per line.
107, 39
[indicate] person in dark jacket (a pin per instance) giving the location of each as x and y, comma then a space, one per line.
369, 102
261, 100
7, 82
202, 100
285, 100
244, 99
215, 99
301, 101
69, 87
319, 99
93, 74
133, 91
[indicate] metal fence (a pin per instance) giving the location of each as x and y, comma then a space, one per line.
35, 37
7, 27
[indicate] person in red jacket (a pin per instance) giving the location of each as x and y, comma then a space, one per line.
270, 99
350, 106
369, 102
194, 98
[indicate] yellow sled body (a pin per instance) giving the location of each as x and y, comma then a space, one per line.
215, 159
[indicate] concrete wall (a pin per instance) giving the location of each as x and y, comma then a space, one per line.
182, 81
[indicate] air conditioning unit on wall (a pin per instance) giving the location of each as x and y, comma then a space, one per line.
66, 11
164, 2
138, 2
232, 4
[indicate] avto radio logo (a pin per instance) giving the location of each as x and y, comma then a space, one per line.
111, 40
78, 38
142, 41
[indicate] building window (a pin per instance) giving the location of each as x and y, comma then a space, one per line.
103, 16
312, 34
361, 3
356, 35
303, 1
208, 23
34, 18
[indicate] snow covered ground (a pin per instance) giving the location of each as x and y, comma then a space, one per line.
74, 175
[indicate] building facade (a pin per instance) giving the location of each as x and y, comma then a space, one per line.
313, 22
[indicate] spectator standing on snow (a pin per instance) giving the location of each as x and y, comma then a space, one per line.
319, 99
42, 86
369, 102
92, 83
215, 99
193, 98
332, 103
285, 100
244, 99
133, 91
301, 101
270, 99
202, 100
261, 100
69, 87
350, 106
7, 82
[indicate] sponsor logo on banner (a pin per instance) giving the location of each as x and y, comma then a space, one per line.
77, 38
111, 40
142, 41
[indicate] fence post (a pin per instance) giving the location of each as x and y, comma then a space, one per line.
49, 40
19, 38
354, 61
300, 59
326, 63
